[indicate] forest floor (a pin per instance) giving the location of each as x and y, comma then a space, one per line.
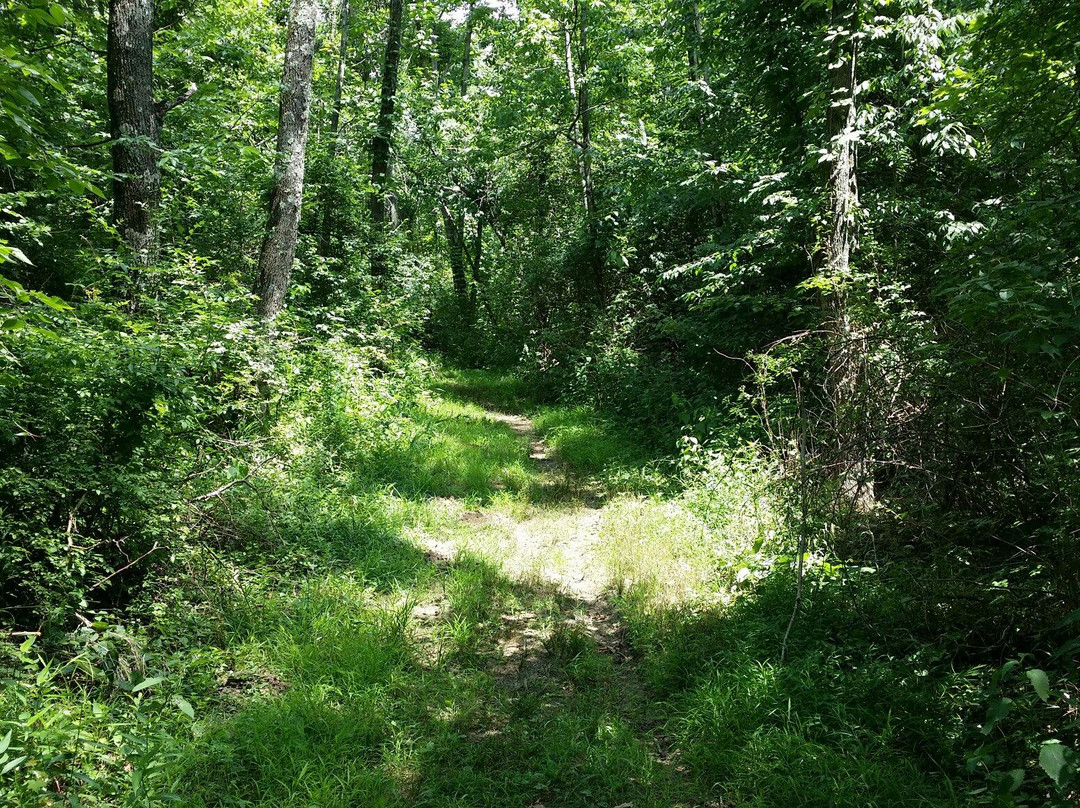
439, 593
475, 658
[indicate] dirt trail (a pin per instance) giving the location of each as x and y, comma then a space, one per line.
538, 450
554, 548
557, 550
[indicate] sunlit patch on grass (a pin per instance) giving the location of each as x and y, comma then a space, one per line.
659, 549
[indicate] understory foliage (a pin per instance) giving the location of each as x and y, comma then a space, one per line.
841, 507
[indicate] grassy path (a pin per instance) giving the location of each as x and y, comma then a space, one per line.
555, 551
472, 660
438, 594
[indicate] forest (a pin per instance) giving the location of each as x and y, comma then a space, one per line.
539, 403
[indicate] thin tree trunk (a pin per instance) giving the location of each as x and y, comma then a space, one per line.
466, 59
279, 245
586, 163
380, 147
335, 125
455, 238
693, 41
843, 188
436, 69
848, 348
584, 116
343, 53
476, 259
135, 128
571, 75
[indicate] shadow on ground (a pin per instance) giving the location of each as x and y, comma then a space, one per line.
437, 703
400, 677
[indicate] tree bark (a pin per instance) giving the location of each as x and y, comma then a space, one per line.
466, 59
693, 41
584, 113
455, 239
135, 128
279, 245
384, 132
843, 186
848, 348
343, 52
335, 125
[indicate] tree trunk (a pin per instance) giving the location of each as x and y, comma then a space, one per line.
455, 239
693, 41
584, 113
466, 59
843, 188
135, 128
848, 349
343, 53
384, 132
476, 259
279, 245
335, 125
436, 68
577, 76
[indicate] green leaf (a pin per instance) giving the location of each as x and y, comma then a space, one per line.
1040, 682
1052, 759
998, 710
184, 706
20, 255
12, 764
5, 742
145, 683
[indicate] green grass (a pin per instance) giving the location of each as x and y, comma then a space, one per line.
497, 391
842, 721
380, 707
366, 719
456, 452
333, 661
595, 448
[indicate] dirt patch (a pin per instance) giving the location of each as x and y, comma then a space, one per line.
539, 451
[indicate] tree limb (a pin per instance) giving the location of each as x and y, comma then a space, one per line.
162, 108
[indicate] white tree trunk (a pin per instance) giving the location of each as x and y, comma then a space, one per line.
279, 245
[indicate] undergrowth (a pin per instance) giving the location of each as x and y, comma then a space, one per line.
297, 645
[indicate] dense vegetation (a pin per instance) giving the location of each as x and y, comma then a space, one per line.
788, 288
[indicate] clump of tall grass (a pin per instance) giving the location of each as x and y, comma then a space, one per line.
825, 715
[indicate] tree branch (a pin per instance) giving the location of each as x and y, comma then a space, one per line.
163, 108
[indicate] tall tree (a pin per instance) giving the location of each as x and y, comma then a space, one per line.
135, 126
693, 41
344, 21
578, 79
847, 349
279, 245
135, 122
455, 242
841, 123
466, 58
384, 133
